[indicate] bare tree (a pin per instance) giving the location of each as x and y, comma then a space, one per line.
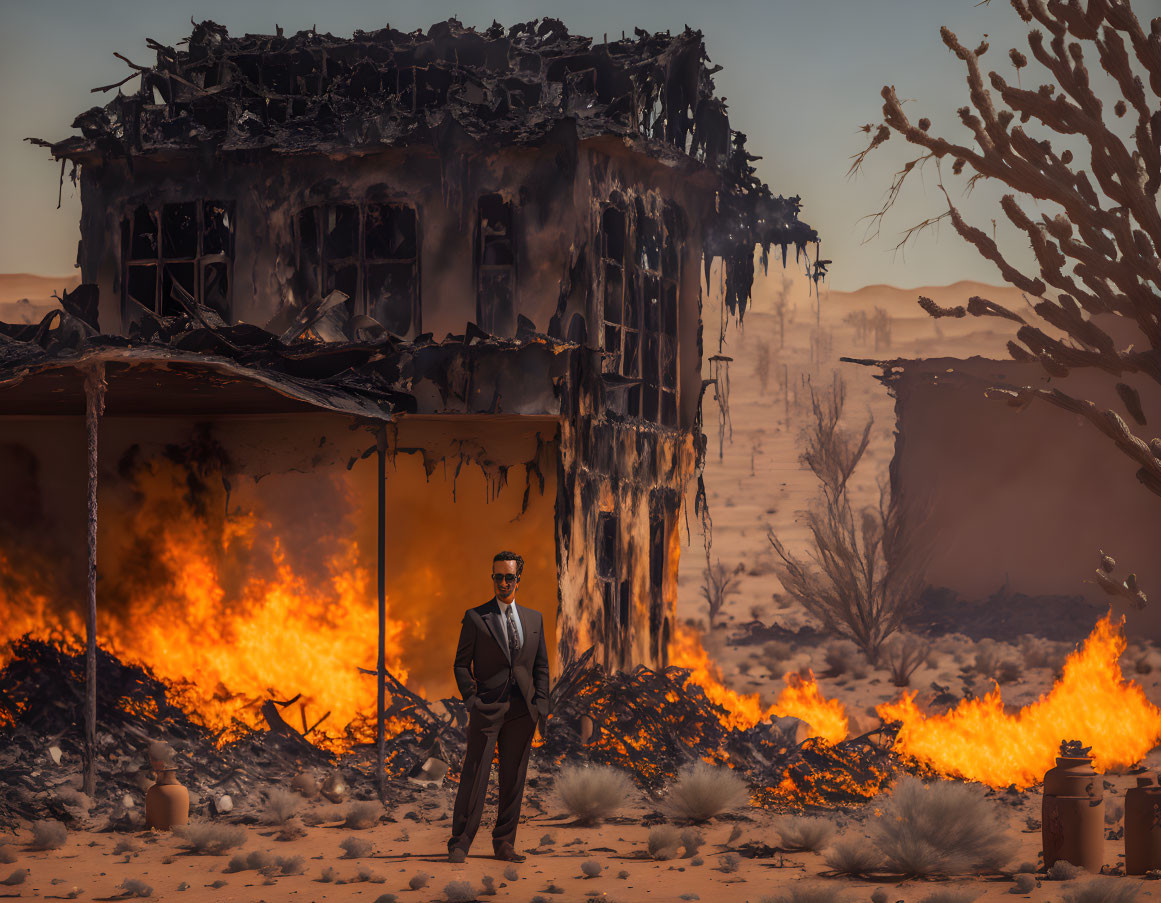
860, 578
781, 300
1098, 256
763, 364
719, 583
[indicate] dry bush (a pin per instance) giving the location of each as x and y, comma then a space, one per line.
664, 842
704, 791
135, 887
292, 830
284, 865
7, 854
1103, 891
592, 793
418, 880
808, 892
329, 875
904, 655
691, 841
729, 863
860, 579
242, 862
943, 828
1063, 870
18, 876
48, 834
853, 856
387, 898
804, 832
459, 892
355, 847
281, 805
362, 815
489, 888
511, 873
126, 845
1023, 884
207, 838
996, 661
878, 895
1037, 652
719, 584
590, 868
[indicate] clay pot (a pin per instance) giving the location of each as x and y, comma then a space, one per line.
334, 788
166, 802
1143, 827
1073, 814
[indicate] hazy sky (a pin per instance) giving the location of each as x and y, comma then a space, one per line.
800, 76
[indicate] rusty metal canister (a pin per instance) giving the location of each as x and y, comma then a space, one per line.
1143, 826
1073, 814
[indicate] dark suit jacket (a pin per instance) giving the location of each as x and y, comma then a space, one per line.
483, 673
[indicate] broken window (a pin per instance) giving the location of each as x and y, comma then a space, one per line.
640, 291
190, 245
370, 253
495, 266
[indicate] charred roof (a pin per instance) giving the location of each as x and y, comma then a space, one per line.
452, 89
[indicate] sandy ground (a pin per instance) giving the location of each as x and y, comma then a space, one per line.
411, 840
25, 298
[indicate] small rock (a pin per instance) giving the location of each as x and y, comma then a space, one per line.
54, 753
224, 803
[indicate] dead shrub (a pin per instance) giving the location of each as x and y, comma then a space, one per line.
1103, 891
48, 834
808, 892
135, 887
207, 838
18, 876
854, 857
1023, 884
861, 579
729, 863
362, 814
842, 657
7, 854
253, 861
292, 830
804, 832
590, 868
776, 656
703, 791
592, 793
355, 847
691, 841
284, 865
904, 655
943, 828
1063, 870
664, 842
996, 661
418, 880
281, 805
719, 584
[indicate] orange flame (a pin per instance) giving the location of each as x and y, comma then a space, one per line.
800, 699
1092, 702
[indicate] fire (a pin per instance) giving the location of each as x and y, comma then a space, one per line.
211, 604
1092, 702
801, 698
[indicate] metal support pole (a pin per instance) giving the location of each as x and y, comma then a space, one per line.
94, 406
381, 667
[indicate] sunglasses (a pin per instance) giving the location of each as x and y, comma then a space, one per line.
504, 578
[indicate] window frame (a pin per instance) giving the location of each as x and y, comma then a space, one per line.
200, 261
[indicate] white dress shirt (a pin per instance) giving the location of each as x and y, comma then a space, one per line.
504, 606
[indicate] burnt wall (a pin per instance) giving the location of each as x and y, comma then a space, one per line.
1027, 495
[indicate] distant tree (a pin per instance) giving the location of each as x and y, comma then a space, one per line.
763, 364
1097, 247
719, 583
862, 576
781, 303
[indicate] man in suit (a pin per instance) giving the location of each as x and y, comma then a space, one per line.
501, 669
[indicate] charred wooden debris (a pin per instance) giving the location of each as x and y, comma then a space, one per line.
649, 723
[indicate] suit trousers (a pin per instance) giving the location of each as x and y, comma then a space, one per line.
513, 737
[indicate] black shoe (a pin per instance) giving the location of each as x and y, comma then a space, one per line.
456, 855
507, 852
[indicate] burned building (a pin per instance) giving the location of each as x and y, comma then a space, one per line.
490, 242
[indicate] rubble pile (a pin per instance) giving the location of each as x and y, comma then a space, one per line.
649, 723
